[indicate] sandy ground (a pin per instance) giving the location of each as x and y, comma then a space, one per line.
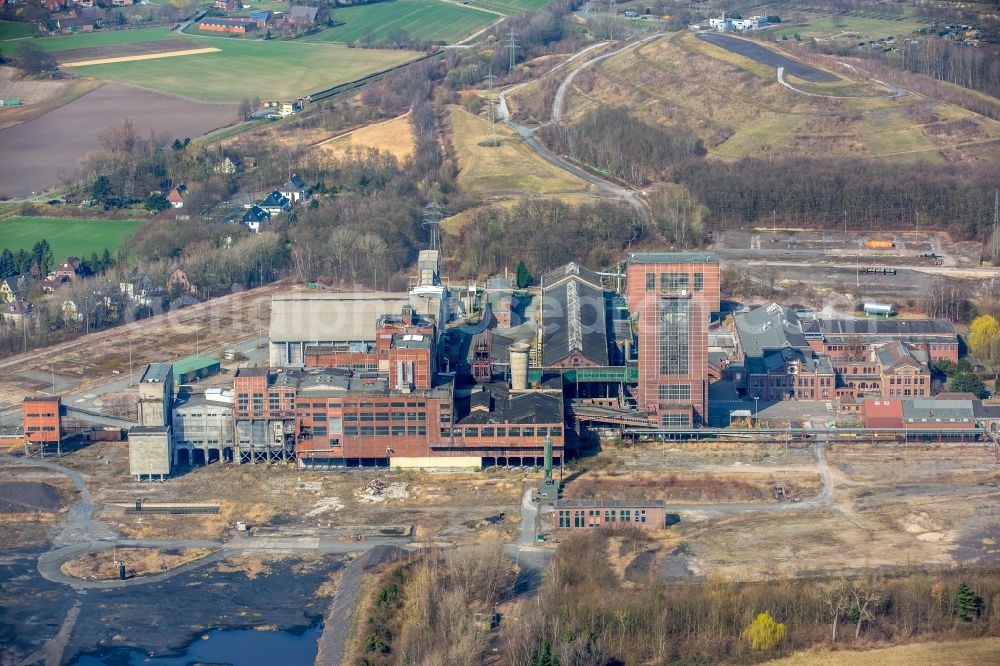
888, 507
147, 56
138, 562
43, 150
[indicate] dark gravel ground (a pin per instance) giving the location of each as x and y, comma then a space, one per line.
18, 496
768, 57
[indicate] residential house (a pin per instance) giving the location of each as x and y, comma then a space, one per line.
67, 270
302, 16
176, 196
283, 109
295, 190
70, 311
261, 18
139, 289
15, 288
227, 5
254, 218
275, 203
16, 312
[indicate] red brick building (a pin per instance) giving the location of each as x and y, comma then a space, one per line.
591, 513
42, 420
672, 295
857, 338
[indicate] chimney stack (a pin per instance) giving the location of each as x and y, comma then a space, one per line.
519, 366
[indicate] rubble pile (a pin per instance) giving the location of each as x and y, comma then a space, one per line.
378, 490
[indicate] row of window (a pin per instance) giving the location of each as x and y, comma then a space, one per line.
674, 420
592, 517
675, 281
41, 428
473, 432
669, 392
906, 392
384, 431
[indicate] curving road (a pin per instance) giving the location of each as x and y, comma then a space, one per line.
894, 91
526, 133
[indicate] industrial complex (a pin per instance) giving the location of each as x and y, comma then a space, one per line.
469, 378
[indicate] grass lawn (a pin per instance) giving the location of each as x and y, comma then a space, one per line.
103, 38
78, 238
245, 68
15, 30
864, 28
512, 168
958, 653
510, 6
426, 20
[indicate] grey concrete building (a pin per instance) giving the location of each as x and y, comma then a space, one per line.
202, 425
149, 452
156, 392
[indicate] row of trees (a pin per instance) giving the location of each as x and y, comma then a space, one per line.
39, 257
582, 615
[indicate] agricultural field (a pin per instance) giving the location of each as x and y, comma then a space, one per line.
509, 7
510, 169
738, 108
14, 30
103, 39
78, 238
280, 70
852, 27
48, 147
424, 20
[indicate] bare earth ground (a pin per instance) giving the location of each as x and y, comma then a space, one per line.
283, 501
50, 146
37, 97
888, 507
123, 50
138, 561
92, 359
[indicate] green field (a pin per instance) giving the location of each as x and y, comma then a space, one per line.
15, 30
510, 7
77, 238
864, 28
104, 38
249, 68
425, 20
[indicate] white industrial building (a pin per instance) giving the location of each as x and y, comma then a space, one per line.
203, 431
306, 318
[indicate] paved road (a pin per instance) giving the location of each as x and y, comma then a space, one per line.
527, 133
894, 91
766, 56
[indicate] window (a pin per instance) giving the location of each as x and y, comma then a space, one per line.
501, 431
674, 420
674, 392
699, 281
487, 431
674, 333
444, 417
527, 432
350, 431
350, 418
513, 432
319, 431
381, 431
673, 281
650, 281
471, 432
367, 417
445, 432
367, 431
336, 427
382, 416
543, 431
556, 431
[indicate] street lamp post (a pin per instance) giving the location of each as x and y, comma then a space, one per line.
756, 412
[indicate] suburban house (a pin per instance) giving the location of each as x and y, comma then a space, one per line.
16, 311
139, 289
238, 25
15, 288
283, 109
254, 218
275, 203
176, 197
66, 270
302, 16
295, 190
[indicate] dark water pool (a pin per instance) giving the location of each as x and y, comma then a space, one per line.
235, 647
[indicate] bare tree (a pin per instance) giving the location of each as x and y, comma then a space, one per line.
867, 596
836, 599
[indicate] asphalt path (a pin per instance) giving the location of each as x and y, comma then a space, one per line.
766, 56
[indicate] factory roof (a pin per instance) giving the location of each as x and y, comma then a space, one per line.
328, 316
494, 403
768, 327
880, 327
253, 372
156, 373
571, 270
930, 410
193, 363
574, 320
221, 400
609, 504
673, 258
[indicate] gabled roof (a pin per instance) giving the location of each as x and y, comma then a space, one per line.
556, 276
255, 214
495, 404
295, 184
768, 327
300, 12
574, 320
275, 200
